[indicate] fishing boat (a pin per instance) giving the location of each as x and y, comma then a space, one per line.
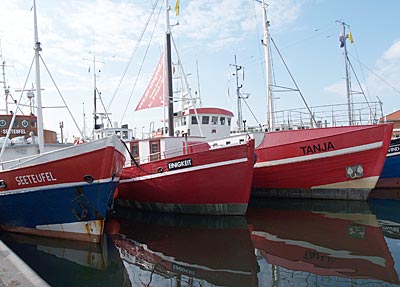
184, 173
64, 193
169, 249
321, 241
390, 177
314, 159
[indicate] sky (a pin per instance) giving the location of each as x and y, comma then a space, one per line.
209, 36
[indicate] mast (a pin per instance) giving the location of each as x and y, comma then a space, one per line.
343, 37
38, 49
169, 71
239, 103
6, 90
266, 41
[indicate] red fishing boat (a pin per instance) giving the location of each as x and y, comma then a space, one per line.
58, 191
192, 178
180, 172
303, 156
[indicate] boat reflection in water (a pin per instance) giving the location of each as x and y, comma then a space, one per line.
184, 250
389, 219
319, 243
70, 263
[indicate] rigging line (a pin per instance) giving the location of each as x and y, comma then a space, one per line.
133, 53
254, 116
102, 104
379, 77
141, 65
15, 114
291, 76
62, 98
359, 62
359, 84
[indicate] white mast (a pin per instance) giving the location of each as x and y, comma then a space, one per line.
348, 82
271, 119
38, 49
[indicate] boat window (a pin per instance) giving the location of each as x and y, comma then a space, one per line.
229, 121
205, 120
155, 150
194, 120
214, 120
222, 121
135, 150
125, 135
183, 121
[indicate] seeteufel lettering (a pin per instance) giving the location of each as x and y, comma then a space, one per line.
14, 131
35, 178
316, 148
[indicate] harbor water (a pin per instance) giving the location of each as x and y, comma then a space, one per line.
277, 243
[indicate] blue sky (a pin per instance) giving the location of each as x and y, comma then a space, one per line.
211, 33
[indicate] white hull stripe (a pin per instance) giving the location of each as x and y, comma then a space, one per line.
75, 227
56, 186
393, 154
345, 254
339, 152
189, 169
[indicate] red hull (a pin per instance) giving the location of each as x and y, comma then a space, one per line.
218, 181
319, 159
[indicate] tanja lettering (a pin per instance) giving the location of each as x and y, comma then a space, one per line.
316, 148
35, 178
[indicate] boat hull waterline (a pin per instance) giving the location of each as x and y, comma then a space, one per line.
215, 181
65, 193
334, 163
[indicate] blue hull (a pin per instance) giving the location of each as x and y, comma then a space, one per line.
390, 175
81, 203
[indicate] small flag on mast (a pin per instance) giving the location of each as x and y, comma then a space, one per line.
350, 36
177, 7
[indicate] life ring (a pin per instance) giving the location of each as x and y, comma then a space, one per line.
76, 142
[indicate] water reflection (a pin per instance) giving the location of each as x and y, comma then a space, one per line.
70, 263
319, 243
279, 243
185, 250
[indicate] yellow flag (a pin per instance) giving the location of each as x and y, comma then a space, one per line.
177, 7
350, 38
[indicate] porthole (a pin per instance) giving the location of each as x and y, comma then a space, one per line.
25, 123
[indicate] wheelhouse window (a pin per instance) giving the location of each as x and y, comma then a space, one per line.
155, 150
205, 120
214, 120
194, 120
135, 150
183, 121
222, 121
229, 121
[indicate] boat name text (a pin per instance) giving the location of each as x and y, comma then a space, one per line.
180, 164
316, 148
14, 131
35, 178
393, 149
